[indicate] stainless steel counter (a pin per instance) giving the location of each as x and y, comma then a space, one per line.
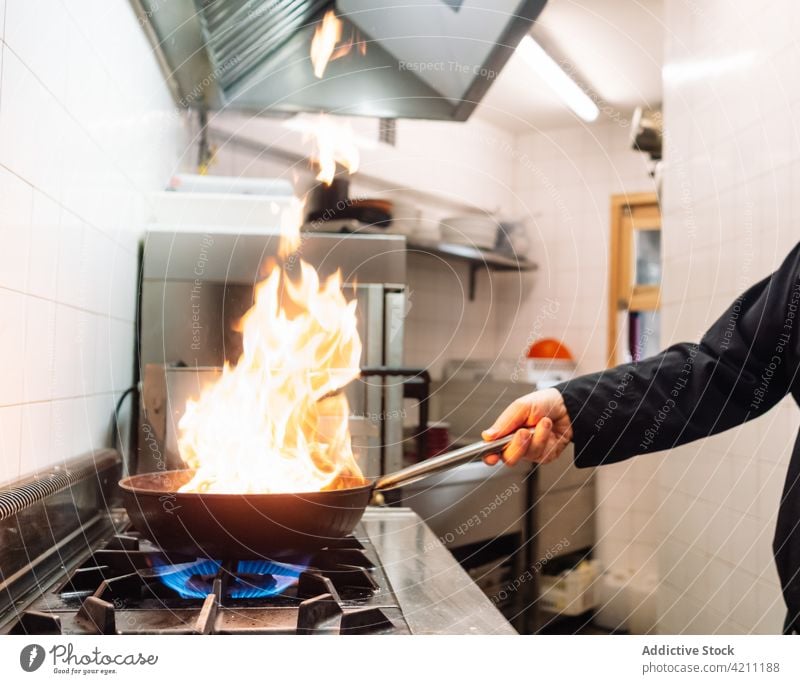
436, 594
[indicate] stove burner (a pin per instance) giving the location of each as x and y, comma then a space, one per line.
130, 586
255, 579
250, 579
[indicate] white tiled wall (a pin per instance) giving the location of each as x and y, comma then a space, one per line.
731, 93
87, 129
563, 181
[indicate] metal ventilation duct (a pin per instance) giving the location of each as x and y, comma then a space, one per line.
432, 59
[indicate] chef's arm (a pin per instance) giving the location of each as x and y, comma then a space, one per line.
743, 366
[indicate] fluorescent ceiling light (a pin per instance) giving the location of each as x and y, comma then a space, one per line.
703, 69
570, 92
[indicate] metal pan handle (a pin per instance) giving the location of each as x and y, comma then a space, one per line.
440, 463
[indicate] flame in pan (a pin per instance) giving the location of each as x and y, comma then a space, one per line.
276, 422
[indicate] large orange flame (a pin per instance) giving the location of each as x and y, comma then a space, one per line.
327, 34
277, 422
334, 143
327, 44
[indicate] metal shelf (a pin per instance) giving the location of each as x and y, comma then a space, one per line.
474, 257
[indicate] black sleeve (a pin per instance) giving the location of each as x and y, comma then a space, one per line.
744, 365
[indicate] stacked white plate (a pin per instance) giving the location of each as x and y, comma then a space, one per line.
408, 219
475, 231
405, 218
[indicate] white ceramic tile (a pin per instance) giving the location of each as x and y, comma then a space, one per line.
122, 352
44, 239
12, 344
2, 45
71, 286
73, 341
86, 123
31, 122
739, 190
771, 609
16, 199
103, 375
66, 428
34, 30
86, 425
38, 431
10, 433
99, 411
744, 604
40, 346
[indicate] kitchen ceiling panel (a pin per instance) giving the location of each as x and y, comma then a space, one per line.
613, 47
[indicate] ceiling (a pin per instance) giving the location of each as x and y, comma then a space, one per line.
615, 47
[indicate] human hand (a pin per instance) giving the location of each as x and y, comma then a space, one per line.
545, 410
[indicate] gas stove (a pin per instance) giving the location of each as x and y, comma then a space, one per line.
125, 585
94, 574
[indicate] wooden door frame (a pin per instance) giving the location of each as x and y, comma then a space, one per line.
620, 278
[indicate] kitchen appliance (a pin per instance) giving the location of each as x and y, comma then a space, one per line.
548, 363
238, 525
430, 59
207, 209
70, 563
197, 285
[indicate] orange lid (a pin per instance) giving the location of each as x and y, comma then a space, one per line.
549, 348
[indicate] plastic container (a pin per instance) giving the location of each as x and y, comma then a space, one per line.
570, 593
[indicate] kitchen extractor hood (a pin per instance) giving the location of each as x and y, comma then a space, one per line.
430, 59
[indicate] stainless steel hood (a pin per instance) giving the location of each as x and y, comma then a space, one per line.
430, 59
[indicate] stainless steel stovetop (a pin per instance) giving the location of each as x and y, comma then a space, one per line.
392, 576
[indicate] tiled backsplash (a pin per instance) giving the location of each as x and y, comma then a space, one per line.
563, 180
87, 129
731, 92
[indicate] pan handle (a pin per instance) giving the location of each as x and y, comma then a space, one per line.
439, 463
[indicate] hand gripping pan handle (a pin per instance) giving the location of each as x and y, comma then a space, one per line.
437, 464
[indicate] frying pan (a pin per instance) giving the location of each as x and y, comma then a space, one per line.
228, 526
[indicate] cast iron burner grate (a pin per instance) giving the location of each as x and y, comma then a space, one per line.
129, 586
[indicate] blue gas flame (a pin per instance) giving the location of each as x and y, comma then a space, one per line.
277, 577
184, 578
252, 579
